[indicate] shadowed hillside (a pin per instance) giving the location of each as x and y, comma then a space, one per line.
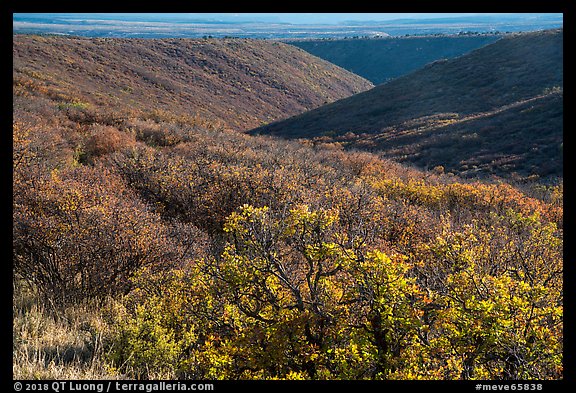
380, 60
240, 83
496, 110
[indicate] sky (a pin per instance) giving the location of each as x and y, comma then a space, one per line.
294, 18
329, 18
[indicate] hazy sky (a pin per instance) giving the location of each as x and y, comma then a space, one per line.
323, 17
296, 18
328, 18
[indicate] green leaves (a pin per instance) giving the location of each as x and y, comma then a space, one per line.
287, 299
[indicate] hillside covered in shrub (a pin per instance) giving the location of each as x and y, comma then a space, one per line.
382, 59
239, 83
162, 247
497, 110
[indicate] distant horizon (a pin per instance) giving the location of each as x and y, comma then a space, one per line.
290, 18
276, 26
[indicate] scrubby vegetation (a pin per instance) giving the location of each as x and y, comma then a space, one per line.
382, 59
494, 111
162, 247
240, 83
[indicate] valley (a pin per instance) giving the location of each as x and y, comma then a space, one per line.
381, 60
201, 209
497, 109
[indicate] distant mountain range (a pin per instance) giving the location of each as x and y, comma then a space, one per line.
496, 110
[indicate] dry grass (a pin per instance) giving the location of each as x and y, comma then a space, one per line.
58, 343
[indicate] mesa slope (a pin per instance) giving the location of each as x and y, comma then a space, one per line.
240, 83
380, 60
497, 110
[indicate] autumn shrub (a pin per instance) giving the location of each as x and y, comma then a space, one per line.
75, 104
144, 346
36, 146
158, 133
333, 270
79, 233
172, 319
105, 140
496, 297
282, 301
